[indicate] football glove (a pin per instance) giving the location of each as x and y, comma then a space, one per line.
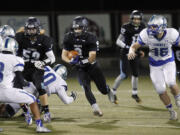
39, 64
83, 63
75, 60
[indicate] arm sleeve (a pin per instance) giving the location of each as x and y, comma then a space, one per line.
142, 38
19, 81
18, 38
93, 43
48, 43
50, 58
67, 42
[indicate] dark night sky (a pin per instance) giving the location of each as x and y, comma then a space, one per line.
85, 5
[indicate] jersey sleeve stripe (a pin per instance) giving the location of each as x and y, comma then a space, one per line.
22, 65
140, 41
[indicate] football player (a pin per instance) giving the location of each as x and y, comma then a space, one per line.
36, 50
177, 60
11, 66
127, 37
86, 44
54, 82
160, 39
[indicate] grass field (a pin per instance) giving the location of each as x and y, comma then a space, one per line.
127, 118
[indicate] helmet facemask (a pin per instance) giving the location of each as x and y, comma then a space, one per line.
32, 27
80, 25
156, 25
136, 18
7, 31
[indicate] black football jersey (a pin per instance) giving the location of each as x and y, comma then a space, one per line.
177, 56
33, 51
130, 33
82, 44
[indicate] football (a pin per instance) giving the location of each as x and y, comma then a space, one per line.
72, 54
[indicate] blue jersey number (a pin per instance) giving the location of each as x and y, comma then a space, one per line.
49, 77
160, 51
1, 71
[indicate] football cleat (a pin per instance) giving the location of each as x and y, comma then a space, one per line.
136, 97
74, 95
28, 118
47, 117
173, 115
178, 103
41, 129
115, 100
98, 113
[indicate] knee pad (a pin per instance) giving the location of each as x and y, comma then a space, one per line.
160, 89
170, 84
123, 75
41, 91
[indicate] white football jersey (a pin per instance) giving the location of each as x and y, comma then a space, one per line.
52, 81
160, 51
8, 65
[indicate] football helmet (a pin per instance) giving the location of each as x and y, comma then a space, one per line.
9, 45
157, 24
7, 31
32, 27
136, 14
61, 70
80, 23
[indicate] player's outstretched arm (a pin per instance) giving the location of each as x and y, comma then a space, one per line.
132, 50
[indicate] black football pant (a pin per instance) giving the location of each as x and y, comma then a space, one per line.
134, 65
37, 77
92, 72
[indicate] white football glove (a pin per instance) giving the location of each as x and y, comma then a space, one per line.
39, 64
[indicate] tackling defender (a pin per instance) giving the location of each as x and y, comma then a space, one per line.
160, 39
12, 66
54, 81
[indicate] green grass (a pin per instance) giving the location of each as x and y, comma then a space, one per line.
127, 118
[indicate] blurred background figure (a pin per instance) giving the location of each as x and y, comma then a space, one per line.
127, 37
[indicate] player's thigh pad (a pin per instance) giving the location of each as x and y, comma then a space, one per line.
14, 95
157, 77
170, 73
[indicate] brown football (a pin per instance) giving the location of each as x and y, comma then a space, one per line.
72, 54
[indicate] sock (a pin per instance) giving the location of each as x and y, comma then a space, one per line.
169, 107
177, 97
45, 108
39, 122
95, 106
25, 108
134, 82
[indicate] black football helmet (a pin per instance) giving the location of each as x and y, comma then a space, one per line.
80, 22
136, 14
32, 23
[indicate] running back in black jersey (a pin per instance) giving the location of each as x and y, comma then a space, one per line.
131, 32
83, 44
33, 50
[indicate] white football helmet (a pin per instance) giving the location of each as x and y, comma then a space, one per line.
61, 70
157, 24
7, 31
9, 45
